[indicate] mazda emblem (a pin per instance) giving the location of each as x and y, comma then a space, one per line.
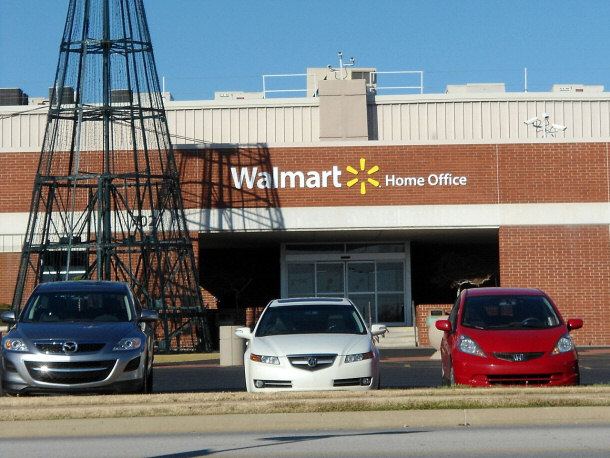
69, 347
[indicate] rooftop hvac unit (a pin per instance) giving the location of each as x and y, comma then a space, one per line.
13, 96
121, 96
66, 93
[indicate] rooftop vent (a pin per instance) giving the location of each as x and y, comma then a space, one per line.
576, 88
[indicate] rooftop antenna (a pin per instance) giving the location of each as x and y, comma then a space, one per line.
107, 203
342, 64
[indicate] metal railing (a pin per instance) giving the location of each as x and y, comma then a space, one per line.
314, 90
375, 88
372, 86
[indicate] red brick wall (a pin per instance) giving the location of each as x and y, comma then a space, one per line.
422, 312
570, 263
9, 263
508, 173
17, 173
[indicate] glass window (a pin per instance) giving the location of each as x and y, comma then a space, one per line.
509, 312
310, 319
81, 306
361, 277
390, 276
375, 248
390, 308
365, 303
301, 281
329, 277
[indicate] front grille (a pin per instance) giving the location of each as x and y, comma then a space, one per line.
57, 347
518, 357
69, 373
520, 379
312, 362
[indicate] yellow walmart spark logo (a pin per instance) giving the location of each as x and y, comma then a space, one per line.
362, 180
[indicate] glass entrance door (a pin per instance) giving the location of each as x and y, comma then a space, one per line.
376, 286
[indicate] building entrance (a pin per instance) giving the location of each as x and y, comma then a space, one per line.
374, 276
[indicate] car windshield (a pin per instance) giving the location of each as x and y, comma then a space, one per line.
77, 306
310, 319
509, 312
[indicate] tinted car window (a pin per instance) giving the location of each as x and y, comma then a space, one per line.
509, 312
310, 319
77, 306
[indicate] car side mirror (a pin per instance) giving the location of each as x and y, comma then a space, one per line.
148, 316
378, 329
443, 325
9, 317
244, 333
574, 323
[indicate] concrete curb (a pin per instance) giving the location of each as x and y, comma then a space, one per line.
306, 421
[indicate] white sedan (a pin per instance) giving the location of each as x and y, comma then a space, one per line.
311, 344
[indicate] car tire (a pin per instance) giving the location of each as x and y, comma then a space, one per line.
149, 382
146, 383
448, 380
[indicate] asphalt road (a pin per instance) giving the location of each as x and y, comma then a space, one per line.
400, 369
567, 440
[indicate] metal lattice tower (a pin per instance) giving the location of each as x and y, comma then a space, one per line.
107, 202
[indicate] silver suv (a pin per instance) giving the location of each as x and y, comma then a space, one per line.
79, 336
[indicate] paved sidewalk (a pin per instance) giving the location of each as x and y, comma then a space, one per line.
306, 421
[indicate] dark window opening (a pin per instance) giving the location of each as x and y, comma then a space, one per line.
439, 270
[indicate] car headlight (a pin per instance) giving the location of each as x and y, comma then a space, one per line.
467, 345
563, 345
265, 359
358, 357
128, 343
15, 345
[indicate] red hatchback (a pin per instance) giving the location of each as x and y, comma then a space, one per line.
507, 336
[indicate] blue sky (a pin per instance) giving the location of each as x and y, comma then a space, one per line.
203, 46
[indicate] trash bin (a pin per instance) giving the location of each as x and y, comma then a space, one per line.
434, 335
232, 348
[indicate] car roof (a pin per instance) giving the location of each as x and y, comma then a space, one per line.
495, 291
309, 301
81, 285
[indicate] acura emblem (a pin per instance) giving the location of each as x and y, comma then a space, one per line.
69, 347
312, 362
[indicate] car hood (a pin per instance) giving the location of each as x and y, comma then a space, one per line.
74, 331
300, 344
516, 341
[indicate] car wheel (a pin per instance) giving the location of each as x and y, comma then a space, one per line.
451, 376
146, 383
149, 383
445, 379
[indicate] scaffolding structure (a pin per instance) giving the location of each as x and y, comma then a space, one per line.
107, 202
